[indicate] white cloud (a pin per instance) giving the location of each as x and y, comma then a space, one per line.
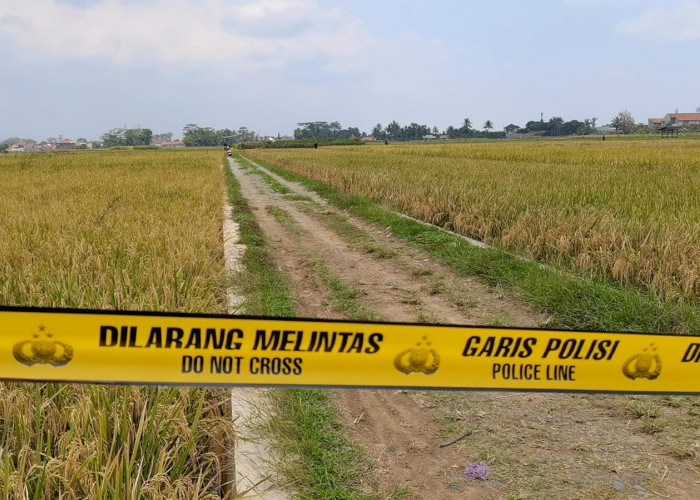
250, 35
674, 22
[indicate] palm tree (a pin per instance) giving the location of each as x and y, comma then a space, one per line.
488, 125
467, 124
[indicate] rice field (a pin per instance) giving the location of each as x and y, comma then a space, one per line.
112, 230
622, 211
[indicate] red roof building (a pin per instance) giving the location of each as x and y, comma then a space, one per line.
695, 117
674, 122
65, 145
681, 119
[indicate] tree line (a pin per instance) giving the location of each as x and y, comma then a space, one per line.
393, 131
325, 130
127, 137
194, 135
556, 126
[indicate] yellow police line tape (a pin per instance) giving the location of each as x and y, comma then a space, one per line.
184, 349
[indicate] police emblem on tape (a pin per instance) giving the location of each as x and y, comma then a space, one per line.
646, 364
44, 350
418, 359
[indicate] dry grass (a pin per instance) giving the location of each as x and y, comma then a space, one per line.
112, 230
577, 446
624, 211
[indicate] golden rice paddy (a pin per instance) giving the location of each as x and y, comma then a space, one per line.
626, 211
129, 230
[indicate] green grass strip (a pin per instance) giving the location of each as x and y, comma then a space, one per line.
307, 431
266, 288
572, 301
346, 299
276, 186
296, 197
313, 433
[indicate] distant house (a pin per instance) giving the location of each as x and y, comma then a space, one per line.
158, 142
671, 124
511, 130
369, 138
17, 147
429, 137
682, 119
675, 121
66, 145
173, 144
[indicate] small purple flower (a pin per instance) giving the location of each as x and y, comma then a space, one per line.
477, 470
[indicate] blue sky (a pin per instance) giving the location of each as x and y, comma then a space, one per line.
80, 67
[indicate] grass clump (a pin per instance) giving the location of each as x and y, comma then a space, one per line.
345, 298
297, 197
315, 451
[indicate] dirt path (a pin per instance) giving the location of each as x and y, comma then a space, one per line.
574, 446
